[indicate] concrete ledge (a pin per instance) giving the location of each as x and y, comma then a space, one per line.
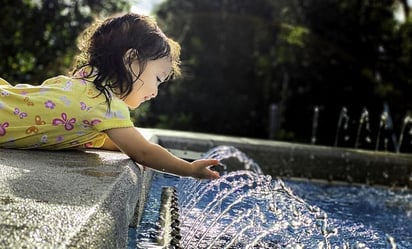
67, 199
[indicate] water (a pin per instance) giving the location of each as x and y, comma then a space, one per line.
315, 124
246, 209
406, 121
343, 124
383, 139
362, 214
363, 125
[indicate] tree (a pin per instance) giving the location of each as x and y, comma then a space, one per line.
352, 59
39, 37
241, 56
219, 41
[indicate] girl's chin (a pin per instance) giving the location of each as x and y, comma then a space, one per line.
134, 106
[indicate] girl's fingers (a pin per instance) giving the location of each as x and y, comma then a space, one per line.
203, 168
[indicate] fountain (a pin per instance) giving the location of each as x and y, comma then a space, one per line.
343, 123
407, 121
386, 125
363, 136
247, 209
315, 122
283, 195
363, 123
110, 194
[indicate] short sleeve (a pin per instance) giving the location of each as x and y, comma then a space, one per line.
101, 118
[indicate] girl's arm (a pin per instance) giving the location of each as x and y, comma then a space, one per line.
130, 141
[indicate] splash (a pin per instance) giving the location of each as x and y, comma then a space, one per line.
246, 209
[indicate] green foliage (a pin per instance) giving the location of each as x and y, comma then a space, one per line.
294, 35
39, 37
240, 56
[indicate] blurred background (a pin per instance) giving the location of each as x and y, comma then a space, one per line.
326, 72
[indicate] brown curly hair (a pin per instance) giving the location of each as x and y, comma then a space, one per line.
104, 47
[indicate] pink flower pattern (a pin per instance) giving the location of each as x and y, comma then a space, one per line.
21, 114
87, 123
84, 107
3, 127
68, 123
49, 104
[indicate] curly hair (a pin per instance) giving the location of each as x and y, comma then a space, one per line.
110, 47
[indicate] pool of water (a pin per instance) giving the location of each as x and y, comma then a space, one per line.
248, 209
373, 216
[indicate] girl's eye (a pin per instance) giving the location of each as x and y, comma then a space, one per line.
159, 81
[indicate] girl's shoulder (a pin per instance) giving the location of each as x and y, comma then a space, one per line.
74, 85
57, 80
51, 81
61, 83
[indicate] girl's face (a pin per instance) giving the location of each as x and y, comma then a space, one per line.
145, 87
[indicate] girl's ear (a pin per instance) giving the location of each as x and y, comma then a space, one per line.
130, 56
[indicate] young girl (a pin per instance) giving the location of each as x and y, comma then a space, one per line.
122, 62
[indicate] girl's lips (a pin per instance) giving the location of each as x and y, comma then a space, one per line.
146, 98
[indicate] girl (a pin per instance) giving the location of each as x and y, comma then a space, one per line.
122, 62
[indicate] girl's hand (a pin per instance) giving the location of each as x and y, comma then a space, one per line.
201, 169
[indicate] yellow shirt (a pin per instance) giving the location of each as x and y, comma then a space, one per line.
61, 113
